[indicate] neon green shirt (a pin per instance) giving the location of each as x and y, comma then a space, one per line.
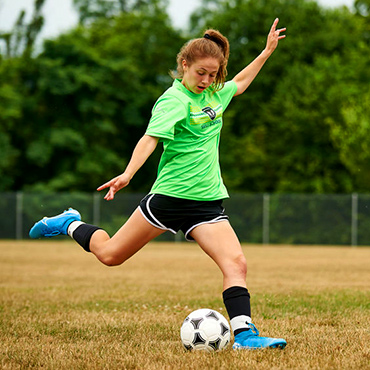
189, 126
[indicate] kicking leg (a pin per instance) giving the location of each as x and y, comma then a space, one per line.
129, 239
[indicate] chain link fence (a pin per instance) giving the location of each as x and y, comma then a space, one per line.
257, 218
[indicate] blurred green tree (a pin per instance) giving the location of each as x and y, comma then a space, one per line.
276, 136
20, 41
16, 52
93, 92
91, 10
71, 115
362, 7
11, 112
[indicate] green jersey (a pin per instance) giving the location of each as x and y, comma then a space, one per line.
189, 126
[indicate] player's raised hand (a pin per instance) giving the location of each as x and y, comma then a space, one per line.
114, 185
274, 36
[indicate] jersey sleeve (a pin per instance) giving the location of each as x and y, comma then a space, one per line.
227, 93
166, 112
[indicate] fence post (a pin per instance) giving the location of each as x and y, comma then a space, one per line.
266, 219
354, 225
19, 215
96, 209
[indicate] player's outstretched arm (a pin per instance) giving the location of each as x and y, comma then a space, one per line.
144, 148
244, 78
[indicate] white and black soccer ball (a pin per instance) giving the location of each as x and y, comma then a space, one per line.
205, 329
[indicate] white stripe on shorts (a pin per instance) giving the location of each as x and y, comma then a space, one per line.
158, 224
217, 219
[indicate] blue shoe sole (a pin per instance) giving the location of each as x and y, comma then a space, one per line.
277, 345
250, 339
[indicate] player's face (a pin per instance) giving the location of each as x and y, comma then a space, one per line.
200, 75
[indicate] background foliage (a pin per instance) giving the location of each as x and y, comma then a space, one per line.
72, 112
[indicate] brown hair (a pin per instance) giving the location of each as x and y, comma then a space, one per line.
212, 45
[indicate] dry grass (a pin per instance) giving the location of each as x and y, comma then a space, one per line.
61, 309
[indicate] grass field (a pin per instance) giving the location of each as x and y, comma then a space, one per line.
61, 309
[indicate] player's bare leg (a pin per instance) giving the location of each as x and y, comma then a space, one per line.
128, 240
220, 242
131, 237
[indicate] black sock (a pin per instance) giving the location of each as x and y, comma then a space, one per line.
82, 235
237, 303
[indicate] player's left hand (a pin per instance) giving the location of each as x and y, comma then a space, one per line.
274, 37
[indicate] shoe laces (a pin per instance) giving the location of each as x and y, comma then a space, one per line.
253, 329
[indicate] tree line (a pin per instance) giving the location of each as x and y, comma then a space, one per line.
72, 112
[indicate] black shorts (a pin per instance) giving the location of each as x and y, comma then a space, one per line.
174, 214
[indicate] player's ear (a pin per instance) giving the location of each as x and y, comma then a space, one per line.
184, 65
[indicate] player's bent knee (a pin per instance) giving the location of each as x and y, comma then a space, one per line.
110, 260
238, 266
242, 263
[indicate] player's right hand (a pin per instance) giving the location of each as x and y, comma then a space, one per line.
114, 185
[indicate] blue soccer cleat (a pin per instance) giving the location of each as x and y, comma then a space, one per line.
250, 339
52, 226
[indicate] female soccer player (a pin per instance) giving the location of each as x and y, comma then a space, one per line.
188, 192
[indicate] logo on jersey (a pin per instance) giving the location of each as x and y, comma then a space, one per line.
159, 111
211, 113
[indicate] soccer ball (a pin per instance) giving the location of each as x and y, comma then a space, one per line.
205, 329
